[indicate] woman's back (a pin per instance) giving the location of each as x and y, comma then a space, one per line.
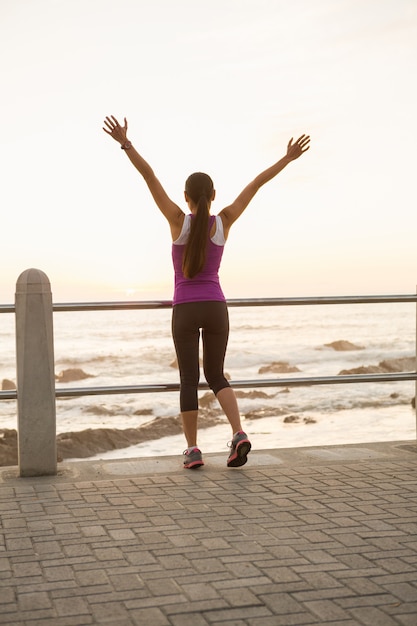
204, 286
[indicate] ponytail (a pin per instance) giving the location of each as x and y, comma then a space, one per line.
200, 188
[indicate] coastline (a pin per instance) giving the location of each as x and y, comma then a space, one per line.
91, 442
163, 436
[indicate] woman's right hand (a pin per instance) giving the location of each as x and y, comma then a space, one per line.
119, 133
295, 150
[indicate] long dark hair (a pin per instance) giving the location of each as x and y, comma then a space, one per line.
199, 188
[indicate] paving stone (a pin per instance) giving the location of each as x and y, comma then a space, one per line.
126, 581
237, 597
370, 616
33, 601
364, 586
10, 615
93, 531
281, 603
196, 619
91, 577
407, 620
327, 610
18, 544
46, 548
280, 574
200, 591
313, 543
60, 573
109, 553
225, 615
296, 619
104, 611
28, 569
152, 616
71, 606
404, 591
7, 596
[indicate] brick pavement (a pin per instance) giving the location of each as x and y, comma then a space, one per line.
296, 537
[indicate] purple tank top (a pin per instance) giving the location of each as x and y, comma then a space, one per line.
205, 285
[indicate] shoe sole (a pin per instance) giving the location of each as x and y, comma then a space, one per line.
194, 465
240, 456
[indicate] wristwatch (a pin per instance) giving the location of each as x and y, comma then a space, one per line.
126, 145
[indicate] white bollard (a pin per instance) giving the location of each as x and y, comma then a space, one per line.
35, 375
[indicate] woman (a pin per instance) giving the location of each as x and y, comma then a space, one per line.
198, 241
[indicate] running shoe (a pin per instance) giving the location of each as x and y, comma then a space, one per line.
193, 459
239, 449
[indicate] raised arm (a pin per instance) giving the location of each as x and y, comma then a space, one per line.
232, 212
168, 208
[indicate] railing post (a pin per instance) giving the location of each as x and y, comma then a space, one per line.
35, 375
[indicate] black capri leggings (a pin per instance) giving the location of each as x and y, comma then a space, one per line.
187, 319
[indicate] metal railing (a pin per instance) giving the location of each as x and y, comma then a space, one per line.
237, 384
37, 392
35, 365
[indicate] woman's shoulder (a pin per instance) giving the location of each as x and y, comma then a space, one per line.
180, 238
217, 231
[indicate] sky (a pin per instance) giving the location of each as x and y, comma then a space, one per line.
221, 87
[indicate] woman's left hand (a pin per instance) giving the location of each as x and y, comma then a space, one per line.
119, 133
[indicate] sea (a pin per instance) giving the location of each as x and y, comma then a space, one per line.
134, 347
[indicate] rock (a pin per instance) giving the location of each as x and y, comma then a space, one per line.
8, 447
295, 419
99, 409
72, 374
291, 419
363, 369
403, 364
253, 394
207, 400
257, 414
7, 385
278, 367
343, 346
90, 442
